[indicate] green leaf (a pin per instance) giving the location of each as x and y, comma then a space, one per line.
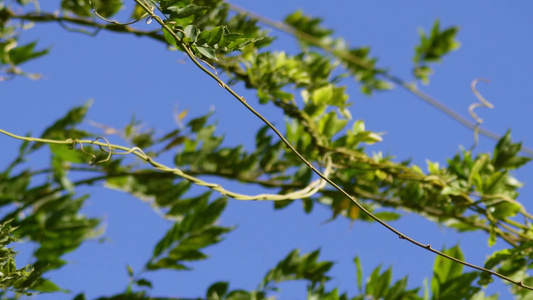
217, 34
387, 216
59, 227
47, 286
80, 296
191, 32
310, 26
217, 290
359, 273
12, 278
172, 235
166, 263
432, 48
184, 12
493, 237
169, 37
144, 282
207, 216
207, 52
370, 288
504, 209
322, 95
239, 295
397, 290
66, 154
460, 287
201, 239
198, 123
505, 154
445, 270
185, 16
423, 73
437, 44
330, 124
21, 54
105, 8
130, 270
295, 267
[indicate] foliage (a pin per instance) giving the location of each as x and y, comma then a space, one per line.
473, 192
432, 48
10, 277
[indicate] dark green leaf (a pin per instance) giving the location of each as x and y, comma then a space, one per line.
67, 154
359, 273
217, 290
48, 286
504, 209
239, 295
505, 154
143, 282
183, 12
445, 270
22, 54
105, 8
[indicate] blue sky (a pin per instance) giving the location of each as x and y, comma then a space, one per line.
134, 76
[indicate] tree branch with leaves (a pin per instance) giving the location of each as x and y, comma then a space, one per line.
474, 192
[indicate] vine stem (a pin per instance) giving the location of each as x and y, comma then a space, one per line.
241, 99
410, 87
109, 149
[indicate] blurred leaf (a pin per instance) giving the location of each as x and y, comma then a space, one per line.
504, 209
207, 52
295, 267
130, 270
179, 11
330, 124
58, 226
432, 48
144, 282
138, 12
505, 154
445, 269
439, 43
105, 8
307, 24
12, 278
185, 239
217, 290
359, 273
387, 216
239, 295
21, 54
48, 286
448, 282
169, 37
66, 154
